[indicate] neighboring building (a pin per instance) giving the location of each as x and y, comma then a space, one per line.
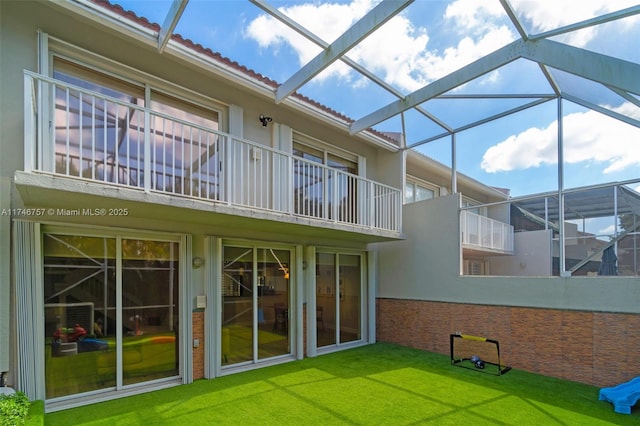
164, 221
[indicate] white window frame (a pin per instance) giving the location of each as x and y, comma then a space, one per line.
469, 203
185, 332
366, 294
213, 327
326, 149
415, 182
100, 64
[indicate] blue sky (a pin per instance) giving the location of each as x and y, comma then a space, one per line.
425, 42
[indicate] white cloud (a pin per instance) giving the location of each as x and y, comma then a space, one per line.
467, 51
403, 53
327, 21
608, 230
588, 137
477, 16
543, 16
398, 51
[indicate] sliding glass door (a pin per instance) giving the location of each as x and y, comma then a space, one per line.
149, 310
237, 305
110, 311
256, 304
79, 314
339, 298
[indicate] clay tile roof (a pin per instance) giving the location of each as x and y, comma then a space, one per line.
196, 47
223, 59
116, 8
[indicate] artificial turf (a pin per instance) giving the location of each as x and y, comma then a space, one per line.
376, 384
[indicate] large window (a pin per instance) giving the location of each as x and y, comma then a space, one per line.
110, 310
415, 191
325, 192
97, 139
104, 138
344, 162
473, 206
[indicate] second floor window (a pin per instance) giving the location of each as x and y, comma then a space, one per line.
103, 137
468, 204
325, 157
324, 183
416, 191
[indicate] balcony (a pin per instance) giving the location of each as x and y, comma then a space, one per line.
75, 133
483, 234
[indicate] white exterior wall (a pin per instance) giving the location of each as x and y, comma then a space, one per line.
531, 257
5, 275
17, 51
500, 213
389, 168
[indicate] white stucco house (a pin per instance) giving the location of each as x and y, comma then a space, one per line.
165, 220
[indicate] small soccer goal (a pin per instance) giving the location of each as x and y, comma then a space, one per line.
477, 353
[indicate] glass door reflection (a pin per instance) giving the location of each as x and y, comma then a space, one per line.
237, 305
84, 331
79, 314
338, 298
273, 302
326, 299
255, 311
149, 310
350, 298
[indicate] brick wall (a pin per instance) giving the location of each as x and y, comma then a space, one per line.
197, 321
601, 349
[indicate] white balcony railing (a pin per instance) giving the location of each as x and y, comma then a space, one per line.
485, 233
75, 132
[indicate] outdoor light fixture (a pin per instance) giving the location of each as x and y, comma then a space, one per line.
197, 262
265, 120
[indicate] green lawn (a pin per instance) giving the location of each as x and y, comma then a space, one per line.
377, 384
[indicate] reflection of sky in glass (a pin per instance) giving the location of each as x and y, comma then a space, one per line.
312, 183
100, 138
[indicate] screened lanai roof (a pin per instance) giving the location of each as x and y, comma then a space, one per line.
587, 204
430, 69
428, 62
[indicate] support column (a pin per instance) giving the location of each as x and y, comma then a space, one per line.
561, 252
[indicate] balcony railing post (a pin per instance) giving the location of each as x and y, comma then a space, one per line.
372, 206
30, 141
227, 169
334, 196
290, 195
399, 198
492, 225
147, 150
